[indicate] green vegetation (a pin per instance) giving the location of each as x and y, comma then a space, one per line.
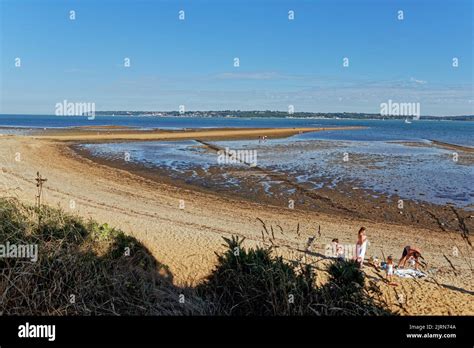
256, 282
84, 268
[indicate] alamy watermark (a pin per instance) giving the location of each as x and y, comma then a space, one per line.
228, 156
66, 108
391, 108
342, 251
19, 251
28, 330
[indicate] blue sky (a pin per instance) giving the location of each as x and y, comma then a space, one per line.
282, 62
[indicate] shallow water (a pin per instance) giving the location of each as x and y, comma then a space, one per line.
422, 173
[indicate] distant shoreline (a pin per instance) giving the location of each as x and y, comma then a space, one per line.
262, 114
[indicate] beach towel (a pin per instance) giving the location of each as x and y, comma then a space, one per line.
409, 273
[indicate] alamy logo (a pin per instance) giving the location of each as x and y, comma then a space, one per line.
19, 251
75, 109
228, 156
37, 331
392, 108
346, 251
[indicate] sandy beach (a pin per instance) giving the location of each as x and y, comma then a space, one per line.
185, 238
102, 134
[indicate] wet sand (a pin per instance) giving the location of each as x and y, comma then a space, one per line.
186, 239
452, 146
347, 198
436, 143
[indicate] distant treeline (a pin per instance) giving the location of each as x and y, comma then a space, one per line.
281, 114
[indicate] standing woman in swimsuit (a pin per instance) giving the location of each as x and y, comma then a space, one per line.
361, 246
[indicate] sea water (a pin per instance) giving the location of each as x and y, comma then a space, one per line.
380, 157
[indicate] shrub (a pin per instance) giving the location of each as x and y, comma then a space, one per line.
346, 273
256, 282
345, 291
82, 269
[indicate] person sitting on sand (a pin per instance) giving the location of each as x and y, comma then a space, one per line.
374, 261
361, 246
337, 248
410, 252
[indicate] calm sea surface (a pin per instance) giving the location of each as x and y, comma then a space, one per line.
456, 132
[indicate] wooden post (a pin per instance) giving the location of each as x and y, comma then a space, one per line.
39, 186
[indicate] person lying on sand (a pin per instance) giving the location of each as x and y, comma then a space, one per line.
410, 252
361, 246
